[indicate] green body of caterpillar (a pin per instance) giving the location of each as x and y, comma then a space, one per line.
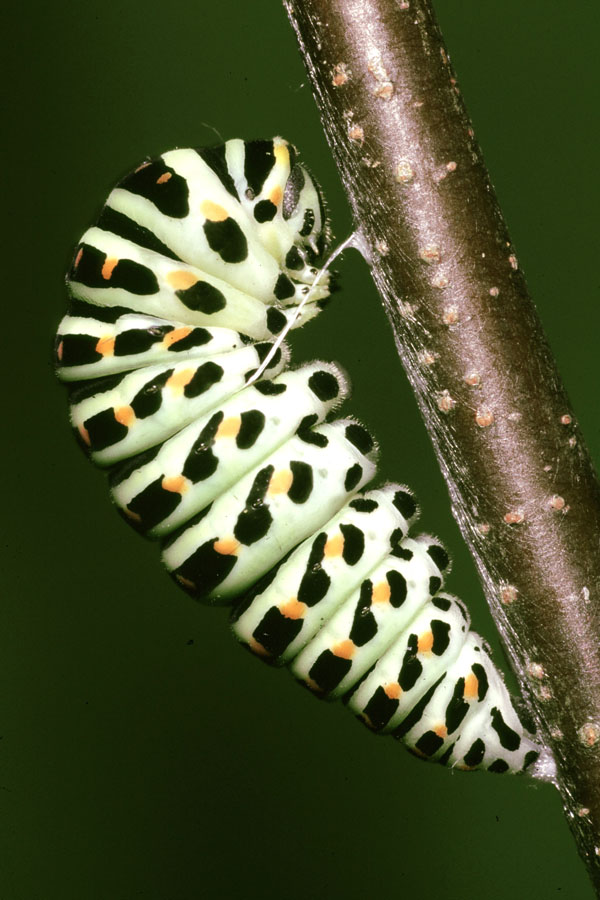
197, 262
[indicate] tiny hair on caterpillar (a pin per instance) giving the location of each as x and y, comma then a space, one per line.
181, 387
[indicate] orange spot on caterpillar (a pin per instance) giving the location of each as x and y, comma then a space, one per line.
106, 346
344, 649
381, 593
213, 211
471, 686
163, 178
229, 427
181, 279
226, 546
425, 642
177, 484
178, 334
59, 352
83, 432
334, 546
178, 380
125, 415
392, 690
280, 482
276, 195
135, 517
293, 609
109, 264
78, 257
441, 731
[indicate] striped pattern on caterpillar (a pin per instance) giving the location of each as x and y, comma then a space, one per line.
199, 259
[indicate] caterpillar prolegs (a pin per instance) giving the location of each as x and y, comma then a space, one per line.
198, 261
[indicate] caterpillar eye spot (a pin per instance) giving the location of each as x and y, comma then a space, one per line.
251, 489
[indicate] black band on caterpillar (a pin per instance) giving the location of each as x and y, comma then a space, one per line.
198, 261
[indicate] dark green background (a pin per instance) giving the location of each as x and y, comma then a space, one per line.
143, 754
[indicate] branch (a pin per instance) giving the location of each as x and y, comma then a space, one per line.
522, 485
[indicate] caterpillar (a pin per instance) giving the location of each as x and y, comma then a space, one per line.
180, 386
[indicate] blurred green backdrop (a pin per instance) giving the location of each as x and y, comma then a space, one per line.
143, 754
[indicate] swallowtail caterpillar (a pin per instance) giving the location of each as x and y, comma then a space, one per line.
199, 260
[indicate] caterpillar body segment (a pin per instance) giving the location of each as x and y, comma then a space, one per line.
125, 414
92, 347
248, 529
312, 583
205, 458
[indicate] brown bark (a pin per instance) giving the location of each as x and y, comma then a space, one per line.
520, 479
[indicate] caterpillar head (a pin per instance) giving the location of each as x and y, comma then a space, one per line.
287, 206
304, 211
